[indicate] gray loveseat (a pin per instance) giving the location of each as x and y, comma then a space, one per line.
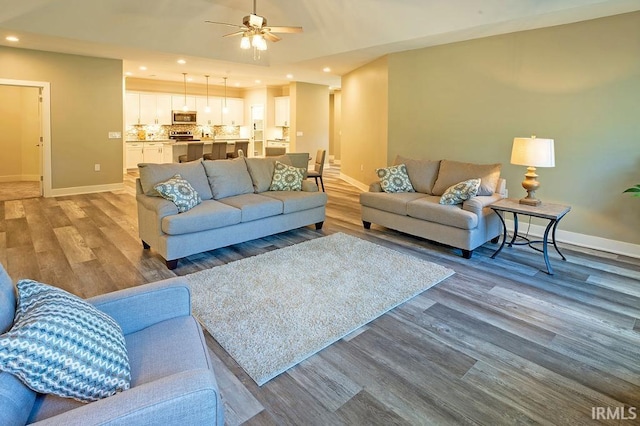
172, 378
237, 206
465, 226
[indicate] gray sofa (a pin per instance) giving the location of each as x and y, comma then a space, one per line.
465, 226
237, 206
172, 379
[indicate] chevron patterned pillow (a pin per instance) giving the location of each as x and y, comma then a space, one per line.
62, 345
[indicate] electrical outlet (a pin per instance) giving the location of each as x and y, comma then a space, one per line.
96, 167
299, 134
115, 135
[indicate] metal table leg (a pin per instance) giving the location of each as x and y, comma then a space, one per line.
504, 235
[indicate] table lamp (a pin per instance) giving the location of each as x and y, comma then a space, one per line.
532, 152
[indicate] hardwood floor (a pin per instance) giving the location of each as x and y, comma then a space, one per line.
499, 342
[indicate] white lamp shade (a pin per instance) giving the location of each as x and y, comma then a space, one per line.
533, 152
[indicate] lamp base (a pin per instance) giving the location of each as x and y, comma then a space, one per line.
530, 201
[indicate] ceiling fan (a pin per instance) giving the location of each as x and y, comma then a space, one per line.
255, 32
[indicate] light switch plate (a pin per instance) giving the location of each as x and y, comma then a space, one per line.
299, 134
115, 135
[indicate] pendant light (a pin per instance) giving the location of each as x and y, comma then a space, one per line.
208, 108
225, 109
184, 77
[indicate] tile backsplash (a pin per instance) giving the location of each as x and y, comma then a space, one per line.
158, 132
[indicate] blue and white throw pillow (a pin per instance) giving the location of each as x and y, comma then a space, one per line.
286, 178
62, 345
180, 192
395, 179
460, 192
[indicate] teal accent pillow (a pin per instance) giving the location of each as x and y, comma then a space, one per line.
59, 344
395, 179
461, 192
180, 192
286, 178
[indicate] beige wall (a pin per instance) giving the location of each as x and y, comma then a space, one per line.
309, 105
578, 84
365, 109
86, 104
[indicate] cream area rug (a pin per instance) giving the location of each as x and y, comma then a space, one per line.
274, 310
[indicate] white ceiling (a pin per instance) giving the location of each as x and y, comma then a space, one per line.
340, 34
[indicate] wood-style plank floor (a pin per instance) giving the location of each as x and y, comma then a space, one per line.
498, 343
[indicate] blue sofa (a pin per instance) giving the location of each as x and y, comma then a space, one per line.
172, 379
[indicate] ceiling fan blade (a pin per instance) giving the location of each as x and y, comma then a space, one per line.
284, 29
271, 37
225, 23
237, 33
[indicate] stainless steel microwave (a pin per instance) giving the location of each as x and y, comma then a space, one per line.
183, 117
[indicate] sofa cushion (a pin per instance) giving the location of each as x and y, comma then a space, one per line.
209, 214
460, 192
394, 179
16, 400
453, 172
286, 178
180, 192
254, 206
193, 172
7, 301
228, 177
294, 201
422, 173
393, 203
61, 344
429, 208
261, 170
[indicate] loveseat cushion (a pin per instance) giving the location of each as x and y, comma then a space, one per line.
254, 206
193, 172
392, 203
429, 208
261, 170
294, 201
7, 300
228, 177
422, 173
209, 214
16, 400
453, 172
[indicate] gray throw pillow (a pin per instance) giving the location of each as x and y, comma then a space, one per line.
422, 173
395, 179
286, 178
228, 177
180, 192
193, 172
460, 192
453, 172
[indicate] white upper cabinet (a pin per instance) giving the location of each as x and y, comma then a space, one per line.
235, 113
132, 109
146, 108
282, 111
214, 116
163, 109
178, 102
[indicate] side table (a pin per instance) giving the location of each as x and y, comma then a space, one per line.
552, 212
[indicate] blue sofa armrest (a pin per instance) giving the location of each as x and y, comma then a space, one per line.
137, 308
188, 398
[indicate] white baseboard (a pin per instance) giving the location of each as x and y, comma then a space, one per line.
361, 186
77, 190
20, 178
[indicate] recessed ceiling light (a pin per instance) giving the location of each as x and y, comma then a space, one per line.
12, 38
189, 79
182, 61
326, 69
258, 81
289, 76
128, 73
143, 68
237, 84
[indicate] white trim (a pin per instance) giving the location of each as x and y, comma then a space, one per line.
46, 127
76, 190
20, 178
580, 240
361, 186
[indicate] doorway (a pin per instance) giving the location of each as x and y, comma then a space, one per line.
25, 139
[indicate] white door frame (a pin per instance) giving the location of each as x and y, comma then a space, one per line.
45, 124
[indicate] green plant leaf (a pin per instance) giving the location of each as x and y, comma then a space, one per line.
634, 189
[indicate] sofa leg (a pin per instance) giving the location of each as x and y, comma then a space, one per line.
367, 225
145, 246
495, 240
172, 264
319, 225
467, 253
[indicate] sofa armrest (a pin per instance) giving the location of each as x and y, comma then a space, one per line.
161, 206
501, 188
375, 187
139, 307
476, 204
308, 186
191, 397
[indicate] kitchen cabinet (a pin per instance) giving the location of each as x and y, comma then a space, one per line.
152, 152
177, 102
235, 113
214, 116
134, 154
282, 110
146, 108
278, 144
